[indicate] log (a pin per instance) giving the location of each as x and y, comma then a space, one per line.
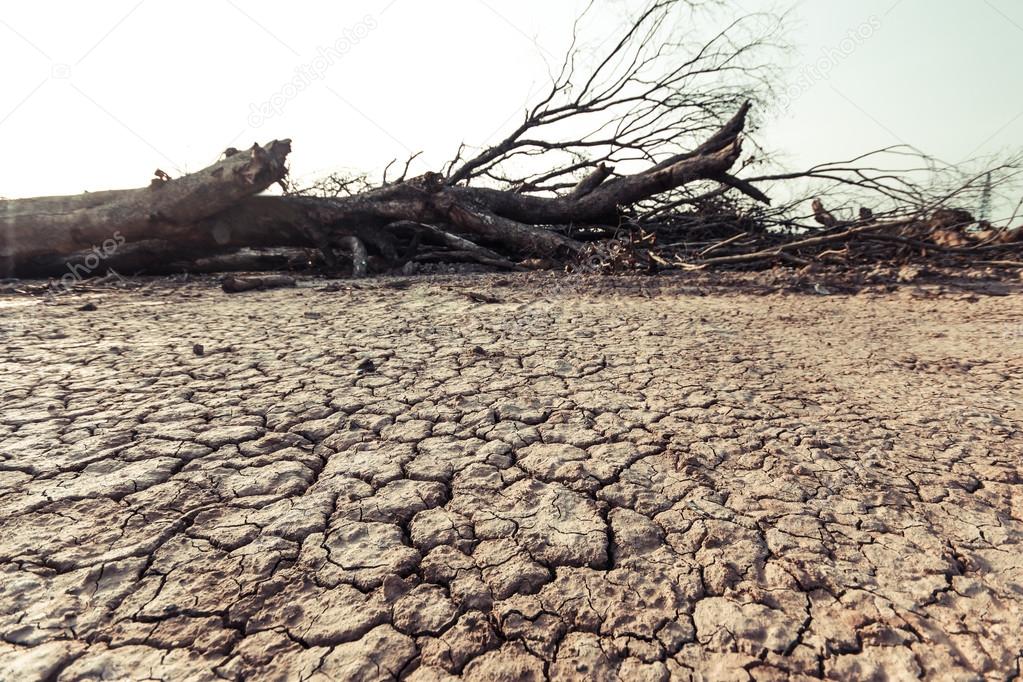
216, 210
37, 233
237, 285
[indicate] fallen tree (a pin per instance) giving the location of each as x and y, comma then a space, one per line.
216, 210
637, 162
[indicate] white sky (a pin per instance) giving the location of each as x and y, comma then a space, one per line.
98, 95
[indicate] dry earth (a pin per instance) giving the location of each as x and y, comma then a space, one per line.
633, 480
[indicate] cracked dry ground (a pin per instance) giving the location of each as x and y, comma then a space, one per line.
618, 481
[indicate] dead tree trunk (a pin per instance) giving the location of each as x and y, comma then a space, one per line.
215, 209
38, 235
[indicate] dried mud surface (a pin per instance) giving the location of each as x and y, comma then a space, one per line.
511, 478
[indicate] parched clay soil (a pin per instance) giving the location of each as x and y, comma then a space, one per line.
511, 478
